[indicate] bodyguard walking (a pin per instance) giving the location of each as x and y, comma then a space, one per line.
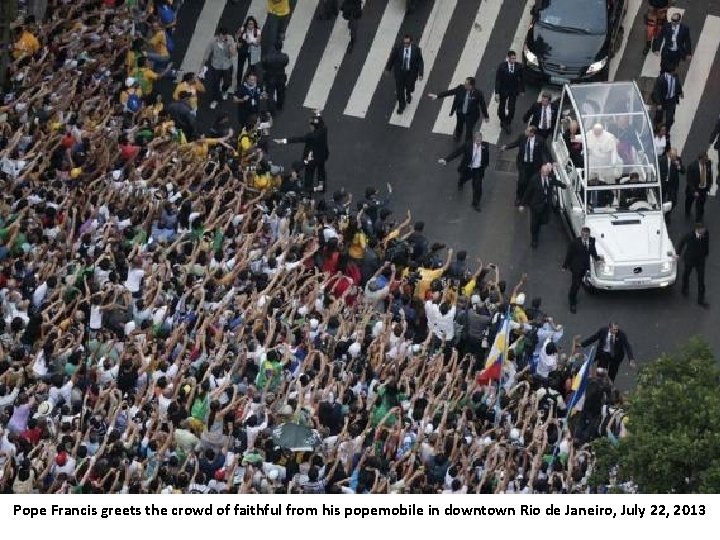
475, 159
406, 63
508, 86
694, 249
468, 104
538, 196
315, 153
352, 12
666, 96
612, 347
577, 261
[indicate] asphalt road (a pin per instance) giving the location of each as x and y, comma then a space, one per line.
370, 151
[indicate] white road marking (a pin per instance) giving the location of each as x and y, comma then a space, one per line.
372, 71
329, 65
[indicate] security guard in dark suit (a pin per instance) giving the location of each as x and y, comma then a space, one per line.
577, 260
694, 249
468, 103
475, 159
538, 196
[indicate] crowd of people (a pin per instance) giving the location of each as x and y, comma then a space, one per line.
181, 317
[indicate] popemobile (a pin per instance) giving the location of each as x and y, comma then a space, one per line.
603, 151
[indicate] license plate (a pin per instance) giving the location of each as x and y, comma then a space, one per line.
559, 80
639, 281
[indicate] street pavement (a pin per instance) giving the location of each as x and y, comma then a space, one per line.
370, 145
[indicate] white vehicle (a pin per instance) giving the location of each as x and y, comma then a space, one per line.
604, 152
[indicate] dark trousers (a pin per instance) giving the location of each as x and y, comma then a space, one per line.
609, 362
699, 204
276, 90
544, 133
220, 81
538, 218
510, 101
353, 27
466, 122
700, 270
404, 87
476, 176
310, 169
328, 9
525, 172
669, 59
666, 115
575, 284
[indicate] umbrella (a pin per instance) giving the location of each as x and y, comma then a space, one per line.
296, 437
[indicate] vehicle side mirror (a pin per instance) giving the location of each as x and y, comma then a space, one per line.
666, 207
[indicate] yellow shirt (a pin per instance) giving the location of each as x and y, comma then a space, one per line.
427, 276
159, 43
28, 44
469, 288
279, 7
130, 62
201, 148
149, 75
192, 89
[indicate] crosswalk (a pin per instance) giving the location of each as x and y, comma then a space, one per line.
477, 52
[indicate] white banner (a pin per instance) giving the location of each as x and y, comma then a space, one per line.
308, 517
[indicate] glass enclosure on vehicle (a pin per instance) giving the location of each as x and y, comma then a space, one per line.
605, 139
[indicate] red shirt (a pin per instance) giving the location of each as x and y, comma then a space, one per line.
32, 435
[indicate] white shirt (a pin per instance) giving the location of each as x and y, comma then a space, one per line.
545, 116
477, 156
135, 276
39, 294
95, 318
442, 326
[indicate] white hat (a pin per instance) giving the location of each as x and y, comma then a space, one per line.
355, 349
515, 434
475, 299
520, 299
429, 429
116, 175
314, 324
130, 81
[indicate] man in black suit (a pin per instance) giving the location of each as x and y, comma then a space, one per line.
406, 63
698, 184
475, 159
671, 168
665, 96
715, 138
315, 153
577, 260
694, 249
352, 13
468, 103
612, 346
538, 196
676, 45
508, 85
542, 116
532, 153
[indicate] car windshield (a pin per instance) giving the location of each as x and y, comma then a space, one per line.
624, 198
579, 16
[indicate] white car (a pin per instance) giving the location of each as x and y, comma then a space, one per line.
603, 149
